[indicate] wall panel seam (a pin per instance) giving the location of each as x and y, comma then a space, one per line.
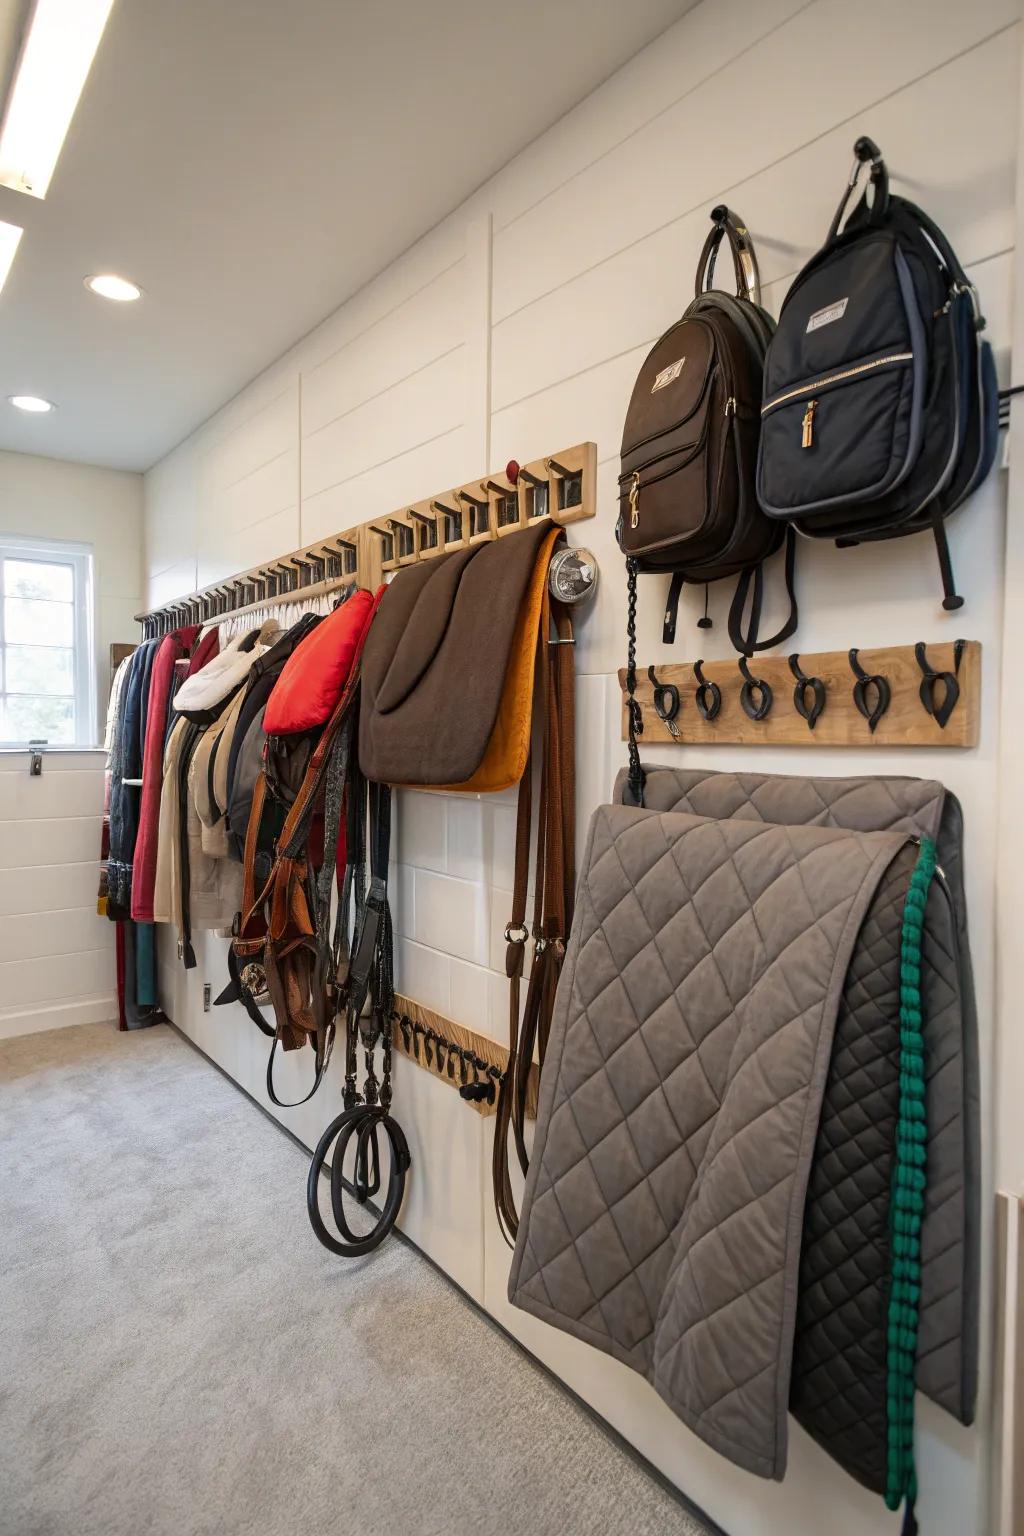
401, 454
669, 106
386, 316
724, 193
229, 485
380, 393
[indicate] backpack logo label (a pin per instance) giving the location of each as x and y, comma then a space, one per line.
668, 375
825, 316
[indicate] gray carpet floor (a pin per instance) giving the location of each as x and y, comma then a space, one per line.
178, 1355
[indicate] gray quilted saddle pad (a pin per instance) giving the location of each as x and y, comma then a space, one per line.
844, 1274
680, 1103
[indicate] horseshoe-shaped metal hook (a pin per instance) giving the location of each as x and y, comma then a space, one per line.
666, 702
940, 712
809, 712
883, 693
709, 695
751, 686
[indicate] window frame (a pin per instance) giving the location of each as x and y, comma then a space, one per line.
80, 558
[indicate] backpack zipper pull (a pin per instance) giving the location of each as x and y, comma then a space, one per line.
634, 499
808, 423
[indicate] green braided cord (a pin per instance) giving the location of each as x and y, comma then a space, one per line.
907, 1195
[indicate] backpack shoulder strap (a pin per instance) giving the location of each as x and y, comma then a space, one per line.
751, 584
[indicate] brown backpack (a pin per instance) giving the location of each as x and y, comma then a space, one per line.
687, 502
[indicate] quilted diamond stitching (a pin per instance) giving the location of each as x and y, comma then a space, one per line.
627, 869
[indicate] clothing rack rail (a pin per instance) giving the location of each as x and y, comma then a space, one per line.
560, 486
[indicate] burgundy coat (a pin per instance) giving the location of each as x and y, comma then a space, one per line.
172, 648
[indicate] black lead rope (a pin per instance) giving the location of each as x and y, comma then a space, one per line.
634, 714
369, 1008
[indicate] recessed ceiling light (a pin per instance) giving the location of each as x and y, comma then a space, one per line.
109, 286
53, 66
31, 403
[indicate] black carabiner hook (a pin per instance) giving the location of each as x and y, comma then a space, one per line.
809, 712
883, 693
940, 712
752, 685
709, 695
666, 702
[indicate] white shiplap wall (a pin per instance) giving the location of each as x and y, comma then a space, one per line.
516, 327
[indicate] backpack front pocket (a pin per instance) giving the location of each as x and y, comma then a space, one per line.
847, 435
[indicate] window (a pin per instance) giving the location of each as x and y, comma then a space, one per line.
46, 669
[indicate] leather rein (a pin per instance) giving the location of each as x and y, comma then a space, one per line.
554, 891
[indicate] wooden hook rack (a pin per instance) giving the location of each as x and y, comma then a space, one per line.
560, 486
452, 1063
905, 723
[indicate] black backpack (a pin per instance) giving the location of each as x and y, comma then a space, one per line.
880, 412
687, 503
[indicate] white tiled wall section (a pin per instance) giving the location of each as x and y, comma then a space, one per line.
56, 954
517, 327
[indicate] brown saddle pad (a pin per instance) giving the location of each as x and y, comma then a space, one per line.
436, 659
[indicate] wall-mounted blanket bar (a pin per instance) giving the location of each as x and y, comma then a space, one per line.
560, 486
901, 696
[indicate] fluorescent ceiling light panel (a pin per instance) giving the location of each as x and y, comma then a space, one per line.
55, 59
10, 235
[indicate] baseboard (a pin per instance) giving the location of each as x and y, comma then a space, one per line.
75, 1010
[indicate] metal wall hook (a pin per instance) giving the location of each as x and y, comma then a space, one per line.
755, 708
864, 680
930, 679
666, 702
809, 712
708, 695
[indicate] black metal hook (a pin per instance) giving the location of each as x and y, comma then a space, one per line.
809, 712
883, 693
709, 695
666, 702
751, 686
940, 712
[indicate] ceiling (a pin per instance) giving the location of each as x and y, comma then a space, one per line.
252, 164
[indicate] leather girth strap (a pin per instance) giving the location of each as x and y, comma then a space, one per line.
554, 891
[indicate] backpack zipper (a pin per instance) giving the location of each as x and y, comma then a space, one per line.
808, 423
634, 482
837, 378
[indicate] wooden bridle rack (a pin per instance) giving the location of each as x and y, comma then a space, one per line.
560, 486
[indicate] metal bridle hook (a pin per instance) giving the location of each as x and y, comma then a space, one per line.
809, 712
940, 712
754, 710
709, 695
865, 680
666, 702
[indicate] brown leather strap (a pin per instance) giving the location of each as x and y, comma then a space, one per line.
554, 879
277, 923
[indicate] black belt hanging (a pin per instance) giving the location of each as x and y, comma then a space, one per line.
369, 984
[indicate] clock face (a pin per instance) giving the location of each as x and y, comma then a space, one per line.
573, 575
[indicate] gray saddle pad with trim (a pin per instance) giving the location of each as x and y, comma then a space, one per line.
947, 1354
